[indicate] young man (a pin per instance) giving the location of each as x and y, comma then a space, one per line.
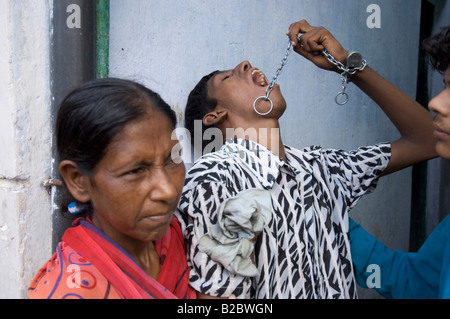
302, 248
425, 274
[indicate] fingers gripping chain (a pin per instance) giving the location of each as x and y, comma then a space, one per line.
355, 63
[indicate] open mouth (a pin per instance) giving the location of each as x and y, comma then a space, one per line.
259, 78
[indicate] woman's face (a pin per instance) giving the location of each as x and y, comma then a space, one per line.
238, 88
441, 106
135, 188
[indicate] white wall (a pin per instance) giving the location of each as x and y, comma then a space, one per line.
170, 45
25, 139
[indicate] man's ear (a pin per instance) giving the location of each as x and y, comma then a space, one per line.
76, 183
214, 118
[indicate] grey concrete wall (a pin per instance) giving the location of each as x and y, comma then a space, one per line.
25, 139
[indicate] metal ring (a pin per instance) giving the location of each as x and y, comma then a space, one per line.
346, 98
266, 99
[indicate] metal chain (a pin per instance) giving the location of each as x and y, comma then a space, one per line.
342, 97
345, 75
337, 63
341, 66
280, 69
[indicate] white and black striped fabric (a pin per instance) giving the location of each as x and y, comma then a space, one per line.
304, 252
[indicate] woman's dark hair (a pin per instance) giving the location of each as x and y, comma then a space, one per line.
198, 105
438, 49
90, 116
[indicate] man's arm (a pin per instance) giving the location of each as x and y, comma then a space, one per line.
413, 121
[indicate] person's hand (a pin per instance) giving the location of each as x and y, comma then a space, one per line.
313, 41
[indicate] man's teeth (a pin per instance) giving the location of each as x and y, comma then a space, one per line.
262, 79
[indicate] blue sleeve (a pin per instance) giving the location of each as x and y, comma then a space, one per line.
401, 275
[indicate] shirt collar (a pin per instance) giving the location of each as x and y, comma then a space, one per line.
302, 160
308, 154
264, 164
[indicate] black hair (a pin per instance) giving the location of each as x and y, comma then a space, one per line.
90, 116
198, 105
437, 48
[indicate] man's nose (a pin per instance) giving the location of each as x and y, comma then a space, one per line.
439, 105
243, 66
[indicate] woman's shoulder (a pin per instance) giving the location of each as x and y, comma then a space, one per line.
67, 275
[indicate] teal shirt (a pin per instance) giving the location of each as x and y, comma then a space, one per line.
421, 275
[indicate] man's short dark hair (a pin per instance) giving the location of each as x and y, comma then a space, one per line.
438, 49
198, 105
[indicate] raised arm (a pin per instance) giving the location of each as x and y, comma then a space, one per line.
413, 121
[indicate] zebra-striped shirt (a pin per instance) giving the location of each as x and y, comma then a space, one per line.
304, 252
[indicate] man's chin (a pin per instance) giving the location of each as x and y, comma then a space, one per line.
443, 150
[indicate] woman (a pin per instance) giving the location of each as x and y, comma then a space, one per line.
302, 250
425, 274
114, 145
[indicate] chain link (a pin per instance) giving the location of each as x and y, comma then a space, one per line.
340, 66
280, 69
345, 75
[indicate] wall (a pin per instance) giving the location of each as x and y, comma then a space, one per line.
72, 63
25, 139
169, 47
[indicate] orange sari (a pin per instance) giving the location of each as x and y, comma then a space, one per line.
89, 265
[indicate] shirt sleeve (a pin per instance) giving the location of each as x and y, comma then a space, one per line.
397, 274
357, 172
199, 207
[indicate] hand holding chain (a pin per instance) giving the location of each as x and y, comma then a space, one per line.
355, 63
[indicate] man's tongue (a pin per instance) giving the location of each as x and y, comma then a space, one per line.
259, 78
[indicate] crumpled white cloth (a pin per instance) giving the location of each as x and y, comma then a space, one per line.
240, 219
